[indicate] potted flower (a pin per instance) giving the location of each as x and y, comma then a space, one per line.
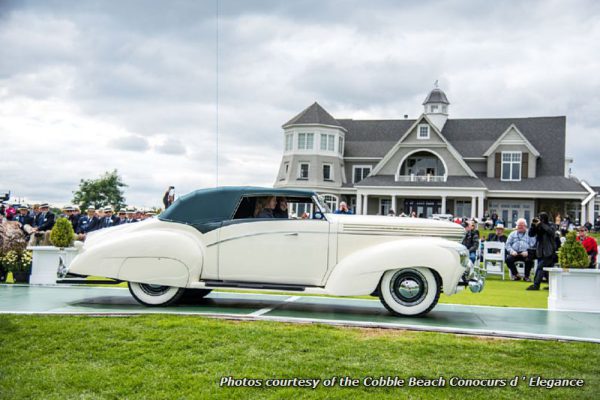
47, 258
573, 286
12, 238
19, 263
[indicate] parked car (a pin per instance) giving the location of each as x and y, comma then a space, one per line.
442, 217
211, 239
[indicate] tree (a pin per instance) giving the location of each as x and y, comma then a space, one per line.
100, 192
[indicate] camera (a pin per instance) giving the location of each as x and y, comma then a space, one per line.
171, 187
535, 221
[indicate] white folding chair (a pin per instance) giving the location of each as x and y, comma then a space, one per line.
493, 258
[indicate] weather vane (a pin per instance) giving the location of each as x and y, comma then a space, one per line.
435, 84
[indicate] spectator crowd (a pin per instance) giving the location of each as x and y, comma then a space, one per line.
38, 220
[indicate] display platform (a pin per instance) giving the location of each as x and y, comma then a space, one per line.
473, 320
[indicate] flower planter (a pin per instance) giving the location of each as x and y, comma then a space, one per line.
574, 289
45, 262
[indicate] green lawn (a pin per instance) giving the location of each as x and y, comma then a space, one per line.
166, 357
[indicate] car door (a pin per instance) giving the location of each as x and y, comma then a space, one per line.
285, 251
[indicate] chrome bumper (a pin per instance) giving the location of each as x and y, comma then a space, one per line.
474, 278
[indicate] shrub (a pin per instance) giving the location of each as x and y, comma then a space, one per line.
62, 235
572, 254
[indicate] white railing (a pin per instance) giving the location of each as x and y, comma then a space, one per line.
421, 178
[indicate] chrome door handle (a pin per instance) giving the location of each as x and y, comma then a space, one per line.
292, 234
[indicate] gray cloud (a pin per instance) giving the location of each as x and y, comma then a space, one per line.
171, 147
131, 143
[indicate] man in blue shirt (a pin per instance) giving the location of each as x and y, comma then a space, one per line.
519, 247
343, 209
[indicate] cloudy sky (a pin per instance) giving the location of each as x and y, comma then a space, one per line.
141, 86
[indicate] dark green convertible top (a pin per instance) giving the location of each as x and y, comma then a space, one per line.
207, 208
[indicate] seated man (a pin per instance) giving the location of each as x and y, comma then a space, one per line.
471, 240
589, 244
518, 247
499, 236
44, 222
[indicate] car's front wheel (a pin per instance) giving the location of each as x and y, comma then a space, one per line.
155, 295
409, 291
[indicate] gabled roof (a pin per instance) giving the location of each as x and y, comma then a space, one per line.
313, 115
472, 137
436, 96
398, 144
495, 145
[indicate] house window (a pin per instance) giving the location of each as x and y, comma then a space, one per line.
511, 166
287, 168
444, 109
327, 142
434, 109
305, 141
303, 171
340, 145
423, 132
331, 201
289, 142
360, 172
327, 172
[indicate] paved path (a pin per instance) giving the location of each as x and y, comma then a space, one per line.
479, 320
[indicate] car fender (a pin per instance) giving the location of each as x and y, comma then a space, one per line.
169, 257
359, 273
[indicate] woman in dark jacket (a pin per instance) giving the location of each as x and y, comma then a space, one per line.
545, 250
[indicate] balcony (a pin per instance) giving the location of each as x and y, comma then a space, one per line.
421, 178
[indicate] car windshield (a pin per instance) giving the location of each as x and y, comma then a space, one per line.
320, 200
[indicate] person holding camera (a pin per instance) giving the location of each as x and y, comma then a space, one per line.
169, 197
545, 250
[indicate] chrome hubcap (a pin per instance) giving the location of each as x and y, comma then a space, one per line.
408, 287
154, 290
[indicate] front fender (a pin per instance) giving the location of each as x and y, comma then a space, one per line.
162, 257
359, 272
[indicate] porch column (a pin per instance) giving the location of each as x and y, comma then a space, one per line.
366, 205
443, 211
480, 208
358, 209
582, 218
394, 204
473, 198
591, 206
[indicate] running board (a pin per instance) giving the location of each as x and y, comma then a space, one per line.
88, 281
254, 285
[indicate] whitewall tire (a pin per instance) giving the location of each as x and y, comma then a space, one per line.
409, 291
155, 295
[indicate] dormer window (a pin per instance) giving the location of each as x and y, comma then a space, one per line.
511, 166
423, 132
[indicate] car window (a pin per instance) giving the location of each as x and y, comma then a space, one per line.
294, 208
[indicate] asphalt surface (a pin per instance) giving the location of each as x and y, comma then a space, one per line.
474, 320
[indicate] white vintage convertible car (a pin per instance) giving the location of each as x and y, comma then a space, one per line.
211, 239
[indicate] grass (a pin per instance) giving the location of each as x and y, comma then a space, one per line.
166, 357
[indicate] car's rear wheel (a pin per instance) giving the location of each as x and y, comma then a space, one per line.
409, 291
155, 295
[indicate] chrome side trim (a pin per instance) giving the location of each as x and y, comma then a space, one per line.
285, 233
